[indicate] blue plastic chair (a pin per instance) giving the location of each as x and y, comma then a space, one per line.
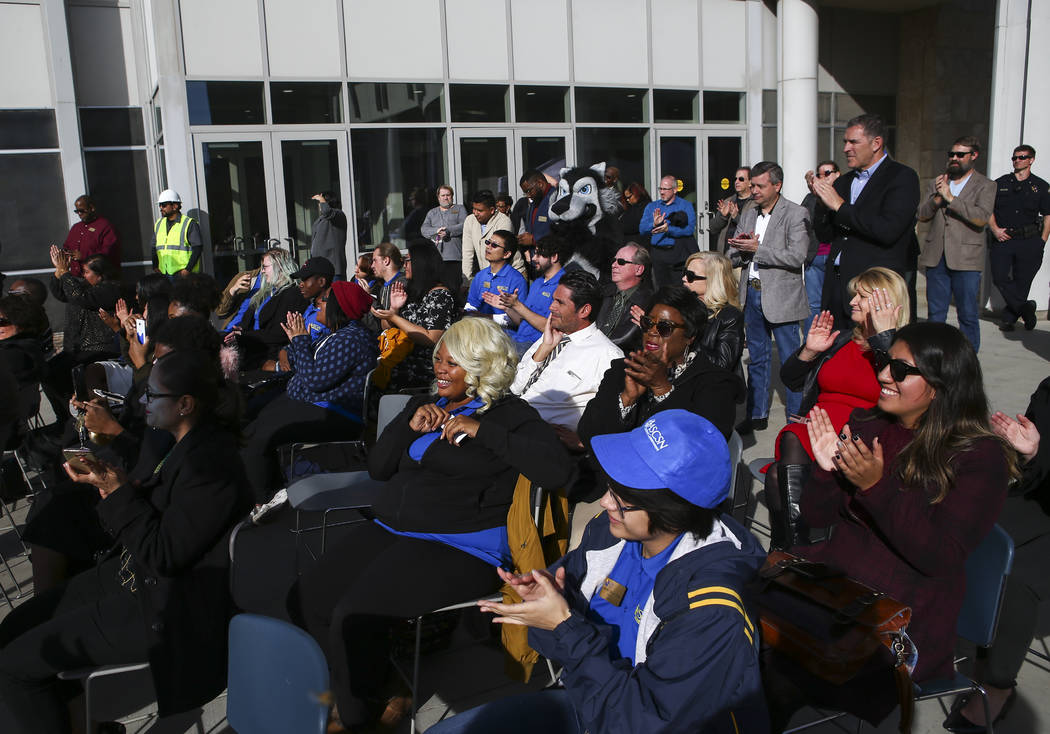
278, 678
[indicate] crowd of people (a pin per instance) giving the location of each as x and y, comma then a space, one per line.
613, 381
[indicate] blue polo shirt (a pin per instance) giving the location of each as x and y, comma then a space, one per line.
507, 280
541, 293
314, 328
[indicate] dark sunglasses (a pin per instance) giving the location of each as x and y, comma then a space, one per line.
825, 174
621, 261
741, 178
4, 321
493, 244
150, 395
692, 277
663, 328
1020, 157
81, 211
959, 153
899, 369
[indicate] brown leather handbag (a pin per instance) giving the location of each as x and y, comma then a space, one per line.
830, 624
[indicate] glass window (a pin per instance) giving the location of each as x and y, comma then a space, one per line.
541, 104
32, 208
111, 126
625, 148
28, 129
310, 167
238, 212
723, 159
675, 105
825, 144
769, 107
397, 102
604, 104
769, 144
119, 183
388, 166
824, 108
306, 102
545, 152
479, 102
723, 107
225, 103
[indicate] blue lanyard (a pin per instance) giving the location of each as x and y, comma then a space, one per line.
421, 444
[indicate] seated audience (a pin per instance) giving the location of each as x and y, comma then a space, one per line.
528, 311
162, 594
631, 289
498, 278
450, 462
710, 276
234, 300
669, 371
194, 294
645, 616
323, 400
423, 309
912, 486
315, 278
258, 331
22, 322
560, 373
35, 290
837, 372
363, 274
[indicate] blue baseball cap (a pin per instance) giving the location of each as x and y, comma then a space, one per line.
675, 449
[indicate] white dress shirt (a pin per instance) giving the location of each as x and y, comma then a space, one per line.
563, 390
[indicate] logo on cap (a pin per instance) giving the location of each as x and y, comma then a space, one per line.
652, 431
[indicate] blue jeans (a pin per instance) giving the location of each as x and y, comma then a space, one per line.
760, 355
814, 288
941, 284
548, 711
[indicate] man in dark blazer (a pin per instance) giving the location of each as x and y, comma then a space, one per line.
868, 214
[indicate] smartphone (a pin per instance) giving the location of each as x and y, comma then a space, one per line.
76, 458
140, 330
112, 398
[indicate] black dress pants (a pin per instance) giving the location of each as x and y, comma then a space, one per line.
1014, 264
668, 262
88, 622
363, 584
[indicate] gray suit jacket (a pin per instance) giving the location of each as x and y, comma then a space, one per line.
780, 258
957, 230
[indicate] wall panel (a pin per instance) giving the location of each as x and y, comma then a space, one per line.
302, 40
541, 40
221, 40
393, 40
723, 40
609, 42
477, 39
676, 43
22, 47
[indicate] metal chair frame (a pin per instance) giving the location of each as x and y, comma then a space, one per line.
89, 675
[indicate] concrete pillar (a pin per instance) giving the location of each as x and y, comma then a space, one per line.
797, 93
752, 152
1020, 112
174, 109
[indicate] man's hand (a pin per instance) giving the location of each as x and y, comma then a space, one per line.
744, 241
569, 438
492, 299
659, 221
550, 339
318, 197
183, 273
944, 191
823, 188
509, 301
999, 232
442, 233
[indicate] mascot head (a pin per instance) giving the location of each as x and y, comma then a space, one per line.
583, 198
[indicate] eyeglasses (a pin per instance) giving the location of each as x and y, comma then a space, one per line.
825, 174
621, 508
493, 244
663, 328
959, 153
150, 396
1020, 157
692, 277
667, 188
621, 261
899, 369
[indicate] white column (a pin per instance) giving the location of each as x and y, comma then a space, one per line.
753, 148
797, 93
1020, 114
171, 81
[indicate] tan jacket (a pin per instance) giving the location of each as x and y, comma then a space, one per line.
474, 245
957, 230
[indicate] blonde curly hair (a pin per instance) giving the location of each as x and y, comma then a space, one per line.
485, 353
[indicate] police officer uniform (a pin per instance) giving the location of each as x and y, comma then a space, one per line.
1019, 207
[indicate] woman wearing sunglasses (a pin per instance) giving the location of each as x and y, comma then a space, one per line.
669, 371
912, 486
836, 371
710, 276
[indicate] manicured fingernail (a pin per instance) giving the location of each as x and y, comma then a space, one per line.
843, 435
838, 457
856, 438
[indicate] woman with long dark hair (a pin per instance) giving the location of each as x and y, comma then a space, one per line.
634, 199
912, 486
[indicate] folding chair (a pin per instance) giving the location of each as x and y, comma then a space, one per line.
90, 675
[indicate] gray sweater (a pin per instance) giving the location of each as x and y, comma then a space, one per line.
452, 220
329, 237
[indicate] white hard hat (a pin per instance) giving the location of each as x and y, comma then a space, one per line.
169, 195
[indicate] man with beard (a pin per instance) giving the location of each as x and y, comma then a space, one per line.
958, 204
528, 312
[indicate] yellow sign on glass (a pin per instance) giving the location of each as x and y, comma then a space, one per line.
725, 184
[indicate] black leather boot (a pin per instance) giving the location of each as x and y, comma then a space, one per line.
792, 478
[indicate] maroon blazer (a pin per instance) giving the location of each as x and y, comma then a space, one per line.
898, 543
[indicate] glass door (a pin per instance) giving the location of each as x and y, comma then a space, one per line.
308, 164
724, 153
483, 161
546, 150
677, 154
238, 201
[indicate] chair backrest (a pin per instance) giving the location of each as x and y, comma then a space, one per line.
277, 678
389, 406
986, 571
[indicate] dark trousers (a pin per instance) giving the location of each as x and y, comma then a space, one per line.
1014, 264
669, 261
364, 583
286, 420
88, 622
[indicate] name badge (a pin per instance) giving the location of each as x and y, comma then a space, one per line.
488, 284
502, 288
545, 294
541, 219
612, 591
91, 229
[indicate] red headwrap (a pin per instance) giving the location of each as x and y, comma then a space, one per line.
353, 299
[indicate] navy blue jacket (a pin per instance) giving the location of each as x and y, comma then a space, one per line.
697, 653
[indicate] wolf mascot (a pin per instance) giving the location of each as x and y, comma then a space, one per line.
586, 212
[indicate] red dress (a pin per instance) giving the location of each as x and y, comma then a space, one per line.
847, 381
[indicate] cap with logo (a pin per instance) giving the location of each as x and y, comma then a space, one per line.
316, 266
675, 449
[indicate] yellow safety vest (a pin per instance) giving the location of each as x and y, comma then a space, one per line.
173, 247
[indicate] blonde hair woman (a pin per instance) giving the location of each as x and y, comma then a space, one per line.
835, 371
449, 463
710, 276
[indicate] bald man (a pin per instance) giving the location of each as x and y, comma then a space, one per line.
671, 223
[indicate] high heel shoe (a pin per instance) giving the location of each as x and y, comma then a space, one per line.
958, 723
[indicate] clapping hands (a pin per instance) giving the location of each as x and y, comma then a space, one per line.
1020, 433
844, 451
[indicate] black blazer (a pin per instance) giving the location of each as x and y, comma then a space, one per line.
879, 229
465, 488
174, 522
723, 339
624, 333
703, 388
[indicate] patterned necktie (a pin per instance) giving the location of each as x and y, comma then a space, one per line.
546, 361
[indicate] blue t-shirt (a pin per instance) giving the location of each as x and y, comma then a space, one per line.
507, 280
314, 328
638, 575
541, 293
